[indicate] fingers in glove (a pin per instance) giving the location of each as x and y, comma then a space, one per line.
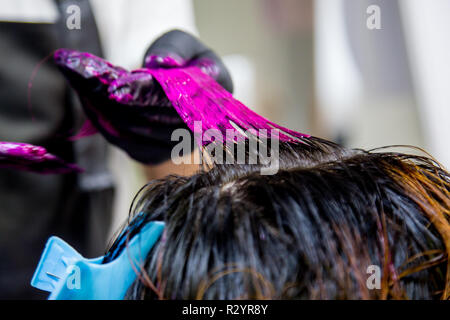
177, 48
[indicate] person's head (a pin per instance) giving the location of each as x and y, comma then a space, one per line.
318, 229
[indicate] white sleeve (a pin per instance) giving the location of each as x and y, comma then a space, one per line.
127, 28
36, 11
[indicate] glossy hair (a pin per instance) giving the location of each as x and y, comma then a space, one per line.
308, 232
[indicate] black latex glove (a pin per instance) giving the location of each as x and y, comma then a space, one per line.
27, 157
130, 109
185, 49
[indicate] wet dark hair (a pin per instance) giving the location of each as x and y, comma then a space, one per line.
308, 232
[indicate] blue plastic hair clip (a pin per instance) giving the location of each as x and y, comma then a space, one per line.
69, 276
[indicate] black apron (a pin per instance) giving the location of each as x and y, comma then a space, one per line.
75, 207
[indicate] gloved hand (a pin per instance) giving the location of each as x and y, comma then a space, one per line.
27, 157
130, 109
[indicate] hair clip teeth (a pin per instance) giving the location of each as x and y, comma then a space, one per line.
55, 260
